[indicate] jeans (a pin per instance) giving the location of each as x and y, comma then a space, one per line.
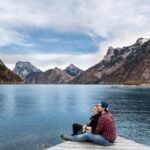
97, 139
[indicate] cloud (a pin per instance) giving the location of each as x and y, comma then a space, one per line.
118, 22
9, 36
49, 61
50, 40
109, 18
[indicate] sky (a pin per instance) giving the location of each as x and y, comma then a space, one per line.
56, 33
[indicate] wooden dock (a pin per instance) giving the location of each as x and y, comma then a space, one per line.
120, 144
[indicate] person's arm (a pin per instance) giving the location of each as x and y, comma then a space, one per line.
100, 125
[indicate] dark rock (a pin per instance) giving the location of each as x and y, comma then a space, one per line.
7, 76
73, 70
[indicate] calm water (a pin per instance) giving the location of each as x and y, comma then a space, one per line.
33, 116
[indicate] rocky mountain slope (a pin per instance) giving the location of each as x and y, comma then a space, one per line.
52, 76
127, 65
23, 69
73, 70
7, 76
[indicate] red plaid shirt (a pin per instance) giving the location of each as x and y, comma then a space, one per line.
106, 127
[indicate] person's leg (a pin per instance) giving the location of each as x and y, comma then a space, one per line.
76, 128
79, 138
98, 139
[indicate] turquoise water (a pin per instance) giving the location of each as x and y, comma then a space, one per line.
33, 116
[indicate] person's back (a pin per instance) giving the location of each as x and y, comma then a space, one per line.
106, 127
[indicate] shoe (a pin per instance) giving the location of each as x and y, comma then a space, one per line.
65, 137
79, 132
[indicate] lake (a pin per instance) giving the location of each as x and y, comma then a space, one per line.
32, 117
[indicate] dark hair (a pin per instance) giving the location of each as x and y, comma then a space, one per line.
106, 110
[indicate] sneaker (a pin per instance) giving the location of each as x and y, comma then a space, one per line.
65, 137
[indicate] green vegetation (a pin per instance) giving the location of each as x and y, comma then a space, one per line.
137, 82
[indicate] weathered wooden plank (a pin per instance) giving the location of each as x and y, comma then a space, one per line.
103, 147
73, 144
110, 148
120, 144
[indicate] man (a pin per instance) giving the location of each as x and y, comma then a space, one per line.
105, 133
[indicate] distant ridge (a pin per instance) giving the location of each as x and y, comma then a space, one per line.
127, 65
51, 76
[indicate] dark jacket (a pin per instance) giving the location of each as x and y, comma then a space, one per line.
93, 122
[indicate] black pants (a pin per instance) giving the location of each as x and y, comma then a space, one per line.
76, 128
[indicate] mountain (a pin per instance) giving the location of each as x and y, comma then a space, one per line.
7, 76
73, 70
127, 65
1, 63
51, 76
23, 69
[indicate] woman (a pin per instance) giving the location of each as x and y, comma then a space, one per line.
90, 127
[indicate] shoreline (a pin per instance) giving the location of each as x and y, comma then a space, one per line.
112, 85
133, 86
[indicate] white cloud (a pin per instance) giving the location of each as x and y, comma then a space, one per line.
49, 61
119, 22
49, 40
9, 37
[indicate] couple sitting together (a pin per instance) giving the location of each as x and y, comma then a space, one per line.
100, 130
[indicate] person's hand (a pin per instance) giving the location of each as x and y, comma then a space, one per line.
84, 128
88, 129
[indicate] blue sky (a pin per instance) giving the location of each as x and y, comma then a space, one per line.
56, 33
48, 41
